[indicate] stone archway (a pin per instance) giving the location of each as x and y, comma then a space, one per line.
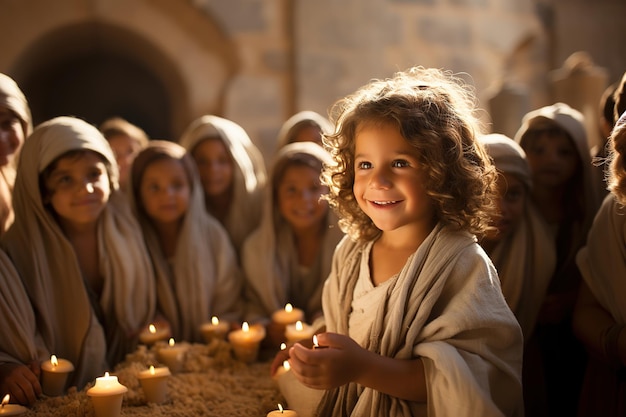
157, 64
73, 72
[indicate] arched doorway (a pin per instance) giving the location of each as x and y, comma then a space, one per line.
94, 71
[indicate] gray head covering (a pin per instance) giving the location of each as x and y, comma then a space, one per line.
508, 156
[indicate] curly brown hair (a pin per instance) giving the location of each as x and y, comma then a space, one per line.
435, 112
616, 175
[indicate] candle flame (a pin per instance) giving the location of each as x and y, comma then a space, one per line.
215, 321
245, 327
299, 326
54, 360
171, 342
286, 365
288, 308
315, 341
152, 329
283, 346
152, 369
280, 407
5, 400
106, 374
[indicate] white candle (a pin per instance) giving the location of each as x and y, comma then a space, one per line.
154, 384
287, 315
216, 329
245, 342
7, 409
107, 395
54, 374
281, 412
283, 369
153, 334
173, 356
298, 331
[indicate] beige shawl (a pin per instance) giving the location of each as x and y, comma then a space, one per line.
249, 175
602, 262
203, 279
269, 259
12, 98
526, 259
449, 311
19, 342
49, 268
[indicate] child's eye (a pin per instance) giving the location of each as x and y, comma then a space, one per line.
95, 174
364, 165
400, 163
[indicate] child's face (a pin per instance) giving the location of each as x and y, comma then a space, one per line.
511, 201
78, 189
125, 150
165, 191
553, 159
11, 135
215, 167
298, 195
388, 180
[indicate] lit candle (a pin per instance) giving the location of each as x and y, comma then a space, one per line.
287, 315
153, 334
7, 409
246, 341
298, 331
216, 329
315, 343
107, 395
281, 412
283, 369
154, 384
54, 374
173, 355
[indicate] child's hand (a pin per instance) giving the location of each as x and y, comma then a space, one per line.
20, 382
337, 361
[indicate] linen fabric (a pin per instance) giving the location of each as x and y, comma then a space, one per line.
445, 307
48, 266
249, 175
284, 134
203, 278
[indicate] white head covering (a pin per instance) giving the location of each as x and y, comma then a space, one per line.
49, 267
284, 134
12, 97
249, 176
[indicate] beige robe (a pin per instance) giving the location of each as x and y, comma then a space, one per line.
249, 174
448, 310
270, 262
203, 278
49, 268
20, 342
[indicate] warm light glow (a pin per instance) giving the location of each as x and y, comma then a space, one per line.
54, 360
215, 321
286, 365
283, 346
315, 341
171, 342
5, 400
288, 308
152, 329
299, 326
245, 327
106, 375
152, 369
280, 408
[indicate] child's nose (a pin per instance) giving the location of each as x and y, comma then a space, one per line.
380, 179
